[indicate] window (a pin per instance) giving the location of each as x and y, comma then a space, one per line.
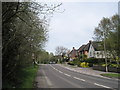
97, 54
94, 53
90, 53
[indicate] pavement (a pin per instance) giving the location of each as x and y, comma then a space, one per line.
88, 71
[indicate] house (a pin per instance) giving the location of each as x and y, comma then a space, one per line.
81, 50
96, 50
84, 49
73, 54
92, 49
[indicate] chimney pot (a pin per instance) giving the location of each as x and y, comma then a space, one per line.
90, 41
73, 48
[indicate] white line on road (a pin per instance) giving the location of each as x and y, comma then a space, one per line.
56, 69
60, 72
49, 83
67, 74
101, 85
78, 78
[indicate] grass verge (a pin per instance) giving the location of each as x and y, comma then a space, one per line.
24, 79
112, 75
28, 78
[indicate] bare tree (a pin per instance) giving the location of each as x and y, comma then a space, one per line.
60, 50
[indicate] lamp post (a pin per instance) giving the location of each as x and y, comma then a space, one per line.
106, 67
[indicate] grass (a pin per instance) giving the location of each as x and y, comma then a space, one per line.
112, 75
29, 76
24, 79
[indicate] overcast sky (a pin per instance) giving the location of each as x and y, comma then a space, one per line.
75, 26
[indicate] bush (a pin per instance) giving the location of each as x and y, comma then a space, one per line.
114, 65
103, 65
74, 62
93, 61
70, 63
84, 64
111, 65
90, 64
90, 60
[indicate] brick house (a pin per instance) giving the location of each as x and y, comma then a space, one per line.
73, 54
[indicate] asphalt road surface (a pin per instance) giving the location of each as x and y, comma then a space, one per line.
55, 76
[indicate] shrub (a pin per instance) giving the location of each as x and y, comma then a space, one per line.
103, 65
90, 60
84, 64
70, 63
90, 64
111, 65
114, 65
76, 61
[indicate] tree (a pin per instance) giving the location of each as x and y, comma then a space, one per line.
61, 51
24, 32
109, 30
43, 57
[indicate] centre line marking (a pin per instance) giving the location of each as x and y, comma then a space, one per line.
67, 74
60, 72
101, 85
78, 78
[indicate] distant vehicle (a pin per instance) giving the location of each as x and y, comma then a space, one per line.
52, 62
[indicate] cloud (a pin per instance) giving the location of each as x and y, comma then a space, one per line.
75, 26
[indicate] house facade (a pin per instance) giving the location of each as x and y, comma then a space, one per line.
95, 50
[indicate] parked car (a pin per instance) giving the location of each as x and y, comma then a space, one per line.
52, 62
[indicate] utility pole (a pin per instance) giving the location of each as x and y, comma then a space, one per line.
106, 67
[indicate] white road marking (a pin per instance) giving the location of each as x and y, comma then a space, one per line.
101, 85
60, 72
56, 69
67, 74
78, 78
47, 79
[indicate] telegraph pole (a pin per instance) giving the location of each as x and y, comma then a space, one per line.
106, 67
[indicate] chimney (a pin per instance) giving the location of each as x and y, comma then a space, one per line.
73, 48
90, 41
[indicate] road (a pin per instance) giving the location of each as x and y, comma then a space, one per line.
55, 76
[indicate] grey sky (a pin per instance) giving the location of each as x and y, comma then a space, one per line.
75, 26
